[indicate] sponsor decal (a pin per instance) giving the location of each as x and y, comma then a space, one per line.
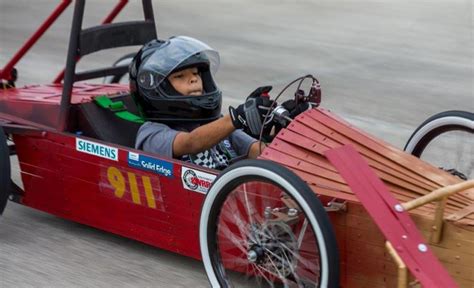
133, 156
195, 180
96, 149
150, 164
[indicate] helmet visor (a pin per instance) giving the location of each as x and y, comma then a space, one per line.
170, 55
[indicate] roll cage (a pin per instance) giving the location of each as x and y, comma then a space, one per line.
87, 41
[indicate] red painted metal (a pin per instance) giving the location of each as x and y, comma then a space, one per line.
5, 73
397, 227
38, 105
115, 11
51, 93
84, 188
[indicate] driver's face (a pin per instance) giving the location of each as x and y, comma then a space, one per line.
187, 81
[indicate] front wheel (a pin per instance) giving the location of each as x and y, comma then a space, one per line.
262, 226
4, 171
446, 140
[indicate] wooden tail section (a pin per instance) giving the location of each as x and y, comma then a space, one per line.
301, 147
361, 242
396, 226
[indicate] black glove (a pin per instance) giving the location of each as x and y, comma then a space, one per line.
294, 109
260, 91
250, 115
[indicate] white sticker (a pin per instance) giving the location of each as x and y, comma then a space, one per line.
196, 180
96, 149
133, 156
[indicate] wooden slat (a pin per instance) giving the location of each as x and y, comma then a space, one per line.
376, 160
398, 228
302, 145
318, 175
409, 162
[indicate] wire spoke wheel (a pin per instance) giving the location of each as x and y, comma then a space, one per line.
261, 226
446, 140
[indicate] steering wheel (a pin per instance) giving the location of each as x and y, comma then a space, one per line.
280, 116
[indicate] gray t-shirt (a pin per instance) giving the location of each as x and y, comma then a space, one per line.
158, 138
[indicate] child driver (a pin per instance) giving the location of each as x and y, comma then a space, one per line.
173, 86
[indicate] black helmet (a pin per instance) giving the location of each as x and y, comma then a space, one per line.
156, 98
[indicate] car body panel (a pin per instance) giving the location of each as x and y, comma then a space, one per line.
109, 193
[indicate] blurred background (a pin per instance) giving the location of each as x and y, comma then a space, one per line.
384, 66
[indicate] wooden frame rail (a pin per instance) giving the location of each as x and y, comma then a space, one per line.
441, 196
402, 278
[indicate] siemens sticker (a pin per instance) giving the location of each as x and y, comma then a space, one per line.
96, 149
150, 164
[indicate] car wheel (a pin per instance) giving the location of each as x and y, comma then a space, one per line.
262, 226
446, 140
4, 171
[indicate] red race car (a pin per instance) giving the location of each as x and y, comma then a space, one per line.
321, 208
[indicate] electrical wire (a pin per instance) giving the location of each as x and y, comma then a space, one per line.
274, 103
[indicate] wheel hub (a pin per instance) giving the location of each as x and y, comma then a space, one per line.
255, 254
273, 247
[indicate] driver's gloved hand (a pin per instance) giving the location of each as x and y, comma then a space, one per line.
294, 109
250, 116
261, 91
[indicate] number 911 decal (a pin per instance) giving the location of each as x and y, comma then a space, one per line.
127, 185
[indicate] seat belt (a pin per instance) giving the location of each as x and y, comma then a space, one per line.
118, 108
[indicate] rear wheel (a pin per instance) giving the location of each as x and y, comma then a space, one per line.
4, 171
446, 140
262, 226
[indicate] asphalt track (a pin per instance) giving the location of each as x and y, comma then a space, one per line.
384, 65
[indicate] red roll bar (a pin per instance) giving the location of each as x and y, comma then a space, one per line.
6, 72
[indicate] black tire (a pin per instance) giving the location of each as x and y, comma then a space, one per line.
271, 251
4, 171
457, 127
122, 61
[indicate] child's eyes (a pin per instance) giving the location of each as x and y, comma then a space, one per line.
182, 75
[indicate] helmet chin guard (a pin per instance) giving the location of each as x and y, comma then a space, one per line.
155, 96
